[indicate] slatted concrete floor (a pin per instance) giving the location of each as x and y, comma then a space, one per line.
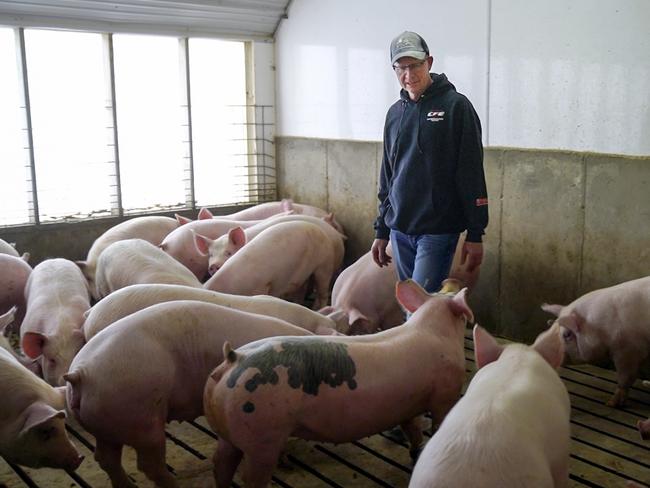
606, 449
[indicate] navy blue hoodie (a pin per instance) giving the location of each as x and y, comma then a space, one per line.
432, 179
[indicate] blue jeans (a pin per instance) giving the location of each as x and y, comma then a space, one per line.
425, 258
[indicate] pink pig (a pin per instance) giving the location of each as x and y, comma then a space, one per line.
268, 209
179, 243
279, 262
151, 228
150, 368
367, 312
14, 273
511, 428
32, 427
224, 247
336, 389
132, 298
131, 261
31, 364
57, 298
611, 323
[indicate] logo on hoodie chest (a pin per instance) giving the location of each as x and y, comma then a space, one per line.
436, 116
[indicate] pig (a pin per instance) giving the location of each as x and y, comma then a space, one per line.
132, 298
32, 426
268, 209
336, 388
57, 298
31, 364
14, 273
511, 428
224, 247
179, 243
366, 293
279, 261
151, 228
609, 323
150, 368
644, 428
132, 261
10, 249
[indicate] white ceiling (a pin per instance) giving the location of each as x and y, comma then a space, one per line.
233, 19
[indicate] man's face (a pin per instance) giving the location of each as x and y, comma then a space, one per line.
413, 75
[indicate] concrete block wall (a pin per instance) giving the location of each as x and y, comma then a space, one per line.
561, 223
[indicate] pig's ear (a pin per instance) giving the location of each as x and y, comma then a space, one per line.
7, 318
286, 204
205, 214
82, 265
550, 345
486, 348
37, 414
32, 343
572, 321
552, 309
458, 305
202, 243
359, 323
25, 257
182, 220
326, 310
410, 295
237, 237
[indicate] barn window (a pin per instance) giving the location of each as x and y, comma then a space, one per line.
101, 124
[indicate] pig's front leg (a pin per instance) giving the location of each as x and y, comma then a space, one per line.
413, 430
627, 366
225, 460
109, 458
644, 428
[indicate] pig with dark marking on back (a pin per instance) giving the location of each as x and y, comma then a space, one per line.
150, 368
609, 323
336, 388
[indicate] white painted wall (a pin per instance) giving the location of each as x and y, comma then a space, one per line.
557, 74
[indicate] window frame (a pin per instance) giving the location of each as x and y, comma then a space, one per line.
261, 184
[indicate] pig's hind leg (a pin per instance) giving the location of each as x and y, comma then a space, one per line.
225, 461
259, 465
109, 458
151, 461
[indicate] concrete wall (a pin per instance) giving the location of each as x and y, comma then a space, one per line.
561, 223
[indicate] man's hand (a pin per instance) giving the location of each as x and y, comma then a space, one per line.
471, 255
379, 255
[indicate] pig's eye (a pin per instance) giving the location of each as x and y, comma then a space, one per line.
567, 335
549, 322
45, 433
228, 254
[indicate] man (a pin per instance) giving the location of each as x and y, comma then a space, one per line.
432, 185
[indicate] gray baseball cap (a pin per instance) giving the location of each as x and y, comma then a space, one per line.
408, 44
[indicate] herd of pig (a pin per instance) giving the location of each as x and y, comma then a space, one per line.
170, 319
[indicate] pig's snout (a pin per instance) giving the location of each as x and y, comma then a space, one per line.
213, 269
74, 463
